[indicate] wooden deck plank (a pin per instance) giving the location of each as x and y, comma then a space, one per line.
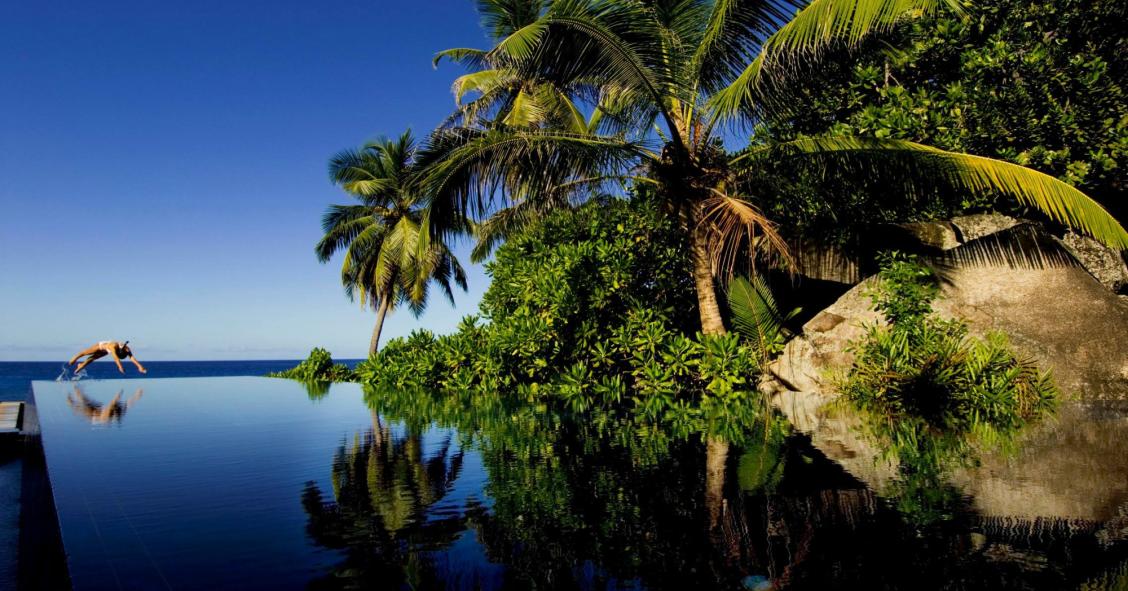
10, 414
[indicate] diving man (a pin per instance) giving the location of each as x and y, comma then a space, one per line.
115, 349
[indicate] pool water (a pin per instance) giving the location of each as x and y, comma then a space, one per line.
258, 483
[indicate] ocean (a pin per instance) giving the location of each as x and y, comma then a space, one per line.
16, 376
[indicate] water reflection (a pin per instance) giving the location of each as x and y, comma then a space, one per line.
604, 503
314, 389
98, 413
383, 491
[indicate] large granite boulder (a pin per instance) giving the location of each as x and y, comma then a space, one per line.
1105, 264
1018, 282
1068, 472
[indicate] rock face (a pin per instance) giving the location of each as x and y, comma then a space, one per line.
1021, 283
976, 226
1060, 316
1105, 264
1016, 282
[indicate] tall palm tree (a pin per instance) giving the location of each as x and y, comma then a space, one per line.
670, 77
384, 264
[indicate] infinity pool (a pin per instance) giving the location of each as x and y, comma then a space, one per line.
202, 483
256, 483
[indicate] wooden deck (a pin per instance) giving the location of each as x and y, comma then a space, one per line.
11, 417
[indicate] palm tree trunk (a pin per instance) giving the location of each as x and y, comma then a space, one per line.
379, 434
716, 459
381, 312
712, 322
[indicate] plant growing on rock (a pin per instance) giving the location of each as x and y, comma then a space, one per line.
923, 367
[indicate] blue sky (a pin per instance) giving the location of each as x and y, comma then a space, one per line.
162, 168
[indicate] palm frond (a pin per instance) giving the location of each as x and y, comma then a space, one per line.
342, 224
734, 226
502, 18
914, 167
734, 34
822, 24
580, 45
467, 172
467, 56
483, 82
526, 111
755, 314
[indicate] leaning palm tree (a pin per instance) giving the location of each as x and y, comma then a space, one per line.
672, 78
384, 265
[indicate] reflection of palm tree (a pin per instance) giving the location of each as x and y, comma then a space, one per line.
383, 488
98, 413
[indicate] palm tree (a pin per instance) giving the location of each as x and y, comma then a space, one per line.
384, 265
668, 78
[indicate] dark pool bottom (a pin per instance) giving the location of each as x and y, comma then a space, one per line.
254, 483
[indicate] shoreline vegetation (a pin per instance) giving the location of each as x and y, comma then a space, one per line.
588, 160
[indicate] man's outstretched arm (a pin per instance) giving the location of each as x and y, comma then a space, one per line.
117, 361
140, 368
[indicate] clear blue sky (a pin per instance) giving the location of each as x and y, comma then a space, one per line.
162, 168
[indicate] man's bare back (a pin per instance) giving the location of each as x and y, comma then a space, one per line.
114, 349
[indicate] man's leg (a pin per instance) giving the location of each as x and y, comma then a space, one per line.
93, 357
83, 353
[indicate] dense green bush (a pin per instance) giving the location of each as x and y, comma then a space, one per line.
924, 367
318, 367
590, 309
1042, 83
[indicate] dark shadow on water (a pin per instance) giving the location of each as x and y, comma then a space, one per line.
42, 561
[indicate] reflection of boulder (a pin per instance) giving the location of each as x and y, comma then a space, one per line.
1074, 466
1065, 476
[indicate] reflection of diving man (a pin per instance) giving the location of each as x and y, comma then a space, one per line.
100, 349
98, 413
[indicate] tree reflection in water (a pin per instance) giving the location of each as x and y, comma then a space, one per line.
608, 503
383, 489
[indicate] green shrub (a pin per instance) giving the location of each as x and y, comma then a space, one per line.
580, 313
921, 366
1040, 83
318, 367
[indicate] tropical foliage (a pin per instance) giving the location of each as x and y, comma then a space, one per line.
318, 367
386, 263
587, 309
667, 79
921, 366
756, 315
1042, 84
